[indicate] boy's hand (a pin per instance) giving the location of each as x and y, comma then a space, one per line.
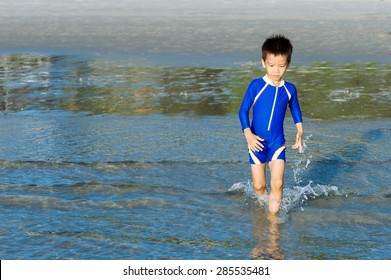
254, 142
298, 143
299, 136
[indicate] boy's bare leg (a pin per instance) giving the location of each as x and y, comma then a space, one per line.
258, 172
277, 168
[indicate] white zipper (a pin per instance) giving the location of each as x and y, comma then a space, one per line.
272, 113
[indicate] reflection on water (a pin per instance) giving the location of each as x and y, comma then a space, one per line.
266, 229
327, 90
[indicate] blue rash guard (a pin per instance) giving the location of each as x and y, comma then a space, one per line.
269, 105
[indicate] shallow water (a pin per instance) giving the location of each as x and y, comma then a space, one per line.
148, 187
114, 146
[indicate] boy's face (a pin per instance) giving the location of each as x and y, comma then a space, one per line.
275, 66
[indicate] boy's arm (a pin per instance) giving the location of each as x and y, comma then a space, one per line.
254, 142
246, 105
299, 136
298, 119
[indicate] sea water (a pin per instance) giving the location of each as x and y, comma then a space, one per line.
107, 153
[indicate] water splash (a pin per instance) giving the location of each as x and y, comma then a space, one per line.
299, 196
302, 164
296, 196
244, 187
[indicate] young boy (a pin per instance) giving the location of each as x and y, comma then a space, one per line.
269, 97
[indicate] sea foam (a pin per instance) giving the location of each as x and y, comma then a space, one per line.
296, 195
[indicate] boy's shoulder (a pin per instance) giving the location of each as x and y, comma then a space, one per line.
257, 82
289, 85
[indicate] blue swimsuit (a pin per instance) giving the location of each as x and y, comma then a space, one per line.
269, 107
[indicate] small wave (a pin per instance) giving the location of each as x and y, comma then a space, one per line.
55, 203
110, 164
242, 187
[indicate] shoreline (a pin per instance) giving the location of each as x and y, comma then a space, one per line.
218, 33
141, 87
192, 60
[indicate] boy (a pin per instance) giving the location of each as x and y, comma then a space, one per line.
269, 97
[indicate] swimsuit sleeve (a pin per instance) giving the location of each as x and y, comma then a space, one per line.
247, 102
295, 107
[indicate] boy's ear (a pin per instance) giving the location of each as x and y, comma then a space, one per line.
263, 63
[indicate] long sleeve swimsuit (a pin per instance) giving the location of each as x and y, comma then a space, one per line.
269, 104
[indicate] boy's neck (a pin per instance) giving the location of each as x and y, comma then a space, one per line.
279, 83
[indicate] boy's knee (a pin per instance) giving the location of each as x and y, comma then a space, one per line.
260, 187
277, 183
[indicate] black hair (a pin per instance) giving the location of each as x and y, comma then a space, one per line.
277, 45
